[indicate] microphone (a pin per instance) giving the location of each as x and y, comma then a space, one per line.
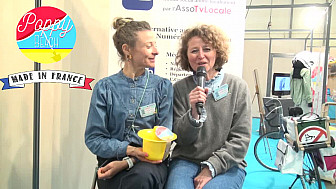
200, 74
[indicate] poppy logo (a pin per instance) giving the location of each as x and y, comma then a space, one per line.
137, 4
46, 34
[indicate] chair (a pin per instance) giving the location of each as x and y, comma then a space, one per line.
325, 112
95, 176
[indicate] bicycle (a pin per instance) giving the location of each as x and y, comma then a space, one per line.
310, 146
265, 150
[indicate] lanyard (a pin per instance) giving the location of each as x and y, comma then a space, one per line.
137, 109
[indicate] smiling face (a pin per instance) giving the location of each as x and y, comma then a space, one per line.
201, 54
144, 51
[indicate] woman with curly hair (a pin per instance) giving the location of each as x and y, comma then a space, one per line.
212, 141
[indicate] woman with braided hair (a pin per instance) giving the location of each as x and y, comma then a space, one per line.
124, 103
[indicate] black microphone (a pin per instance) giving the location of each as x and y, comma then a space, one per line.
201, 73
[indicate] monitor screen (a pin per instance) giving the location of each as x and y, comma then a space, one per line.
281, 84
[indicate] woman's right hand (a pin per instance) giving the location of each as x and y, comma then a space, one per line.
198, 94
111, 169
139, 154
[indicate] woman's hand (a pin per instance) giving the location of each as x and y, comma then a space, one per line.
202, 178
198, 94
139, 154
111, 169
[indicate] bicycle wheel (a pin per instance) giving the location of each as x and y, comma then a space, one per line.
311, 177
265, 150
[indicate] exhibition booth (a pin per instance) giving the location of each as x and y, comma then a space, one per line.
47, 75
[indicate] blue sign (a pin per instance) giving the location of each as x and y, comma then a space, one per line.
137, 4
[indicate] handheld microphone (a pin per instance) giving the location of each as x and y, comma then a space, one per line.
200, 74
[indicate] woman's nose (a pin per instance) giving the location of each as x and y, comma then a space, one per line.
201, 54
155, 50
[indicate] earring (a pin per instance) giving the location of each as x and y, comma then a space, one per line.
129, 57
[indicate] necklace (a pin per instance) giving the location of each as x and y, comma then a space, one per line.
136, 110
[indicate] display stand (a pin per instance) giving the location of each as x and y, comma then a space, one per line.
262, 128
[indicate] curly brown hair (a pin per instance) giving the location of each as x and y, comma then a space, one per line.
210, 34
126, 33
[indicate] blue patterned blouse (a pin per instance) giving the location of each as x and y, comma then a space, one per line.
115, 107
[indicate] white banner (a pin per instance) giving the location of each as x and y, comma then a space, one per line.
317, 71
169, 18
75, 80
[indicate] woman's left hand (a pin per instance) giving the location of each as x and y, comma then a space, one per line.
139, 154
202, 178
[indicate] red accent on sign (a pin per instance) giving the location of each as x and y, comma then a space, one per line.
322, 132
86, 84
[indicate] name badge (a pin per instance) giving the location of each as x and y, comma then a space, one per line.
221, 92
148, 110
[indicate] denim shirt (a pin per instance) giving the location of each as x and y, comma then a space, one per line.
112, 112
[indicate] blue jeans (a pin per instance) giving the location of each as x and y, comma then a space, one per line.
182, 173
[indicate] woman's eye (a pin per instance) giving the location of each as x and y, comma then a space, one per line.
150, 45
194, 51
207, 49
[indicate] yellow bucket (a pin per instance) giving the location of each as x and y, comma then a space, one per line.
154, 146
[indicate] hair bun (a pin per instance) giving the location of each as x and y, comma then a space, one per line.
119, 22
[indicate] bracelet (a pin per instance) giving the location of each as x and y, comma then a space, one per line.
129, 162
209, 165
